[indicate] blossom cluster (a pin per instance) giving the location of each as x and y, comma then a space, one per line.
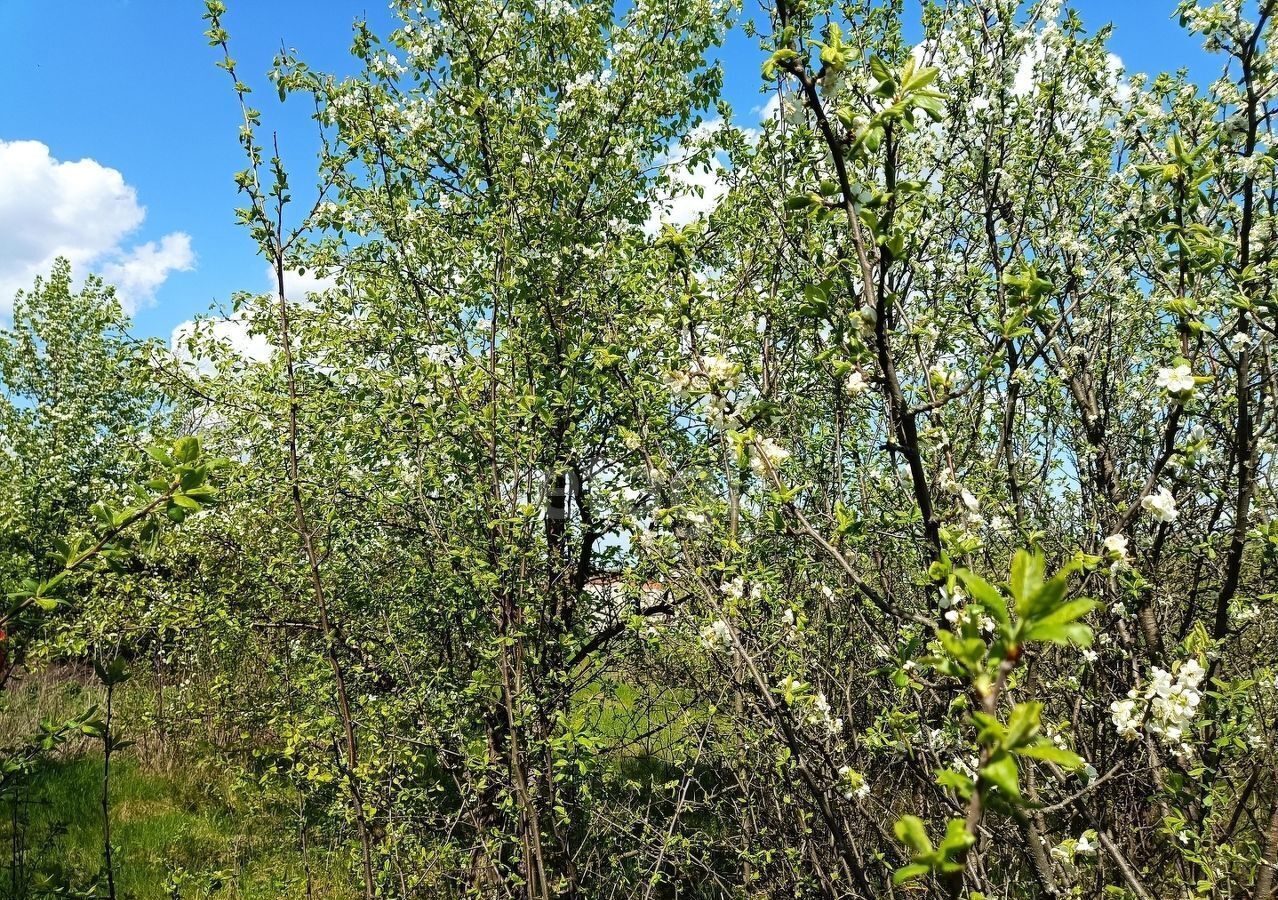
766, 455
1161, 505
823, 715
717, 635
1116, 551
853, 783
1167, 706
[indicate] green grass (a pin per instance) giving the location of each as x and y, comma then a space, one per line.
177, 835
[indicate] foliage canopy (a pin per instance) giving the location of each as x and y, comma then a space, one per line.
876, 502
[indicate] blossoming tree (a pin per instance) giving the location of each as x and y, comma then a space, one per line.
897, 521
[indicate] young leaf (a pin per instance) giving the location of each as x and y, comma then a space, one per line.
1023, 723
911, 832
1001, 771
1045, 750
1027, 576
985, 594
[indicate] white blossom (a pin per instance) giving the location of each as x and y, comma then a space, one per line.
822, 714
853, 782
1177, 380
718, 369
737, 589
678, 382
765, 455
1115, 547
1161, 505
1126, 718
1168, 705
717, 635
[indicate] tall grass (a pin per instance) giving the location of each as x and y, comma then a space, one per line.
181, 828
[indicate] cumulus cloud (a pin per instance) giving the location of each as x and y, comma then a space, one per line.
232, 334
694, 188
1025, 81
771, 109
192, 341
1029, 66
144, 268
81, 210
692, 193
298, 284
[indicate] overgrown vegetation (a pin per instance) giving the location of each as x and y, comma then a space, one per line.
175, 836
875, 503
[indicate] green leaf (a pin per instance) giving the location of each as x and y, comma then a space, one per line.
1068, 612
1001, 771
910, 872
968, 651
1023, 723
160, 455
1045, 750
1045, 600
985, 594
911, 832
114, 672
803, 201
1027, 576
957, 782
1074, 633
992, 732
921, 79
186, 449
778, 59
204, 494
957, 839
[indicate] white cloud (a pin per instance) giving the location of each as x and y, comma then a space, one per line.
144, 268
693, 191
771, 109
1025, 81
298, 284
83, 211
784, 108
1030, 64
230, 333
1116, 70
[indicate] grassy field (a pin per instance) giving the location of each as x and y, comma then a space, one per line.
175, 836
181, 828
185, 827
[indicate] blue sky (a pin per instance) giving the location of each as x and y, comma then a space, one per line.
131, 86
